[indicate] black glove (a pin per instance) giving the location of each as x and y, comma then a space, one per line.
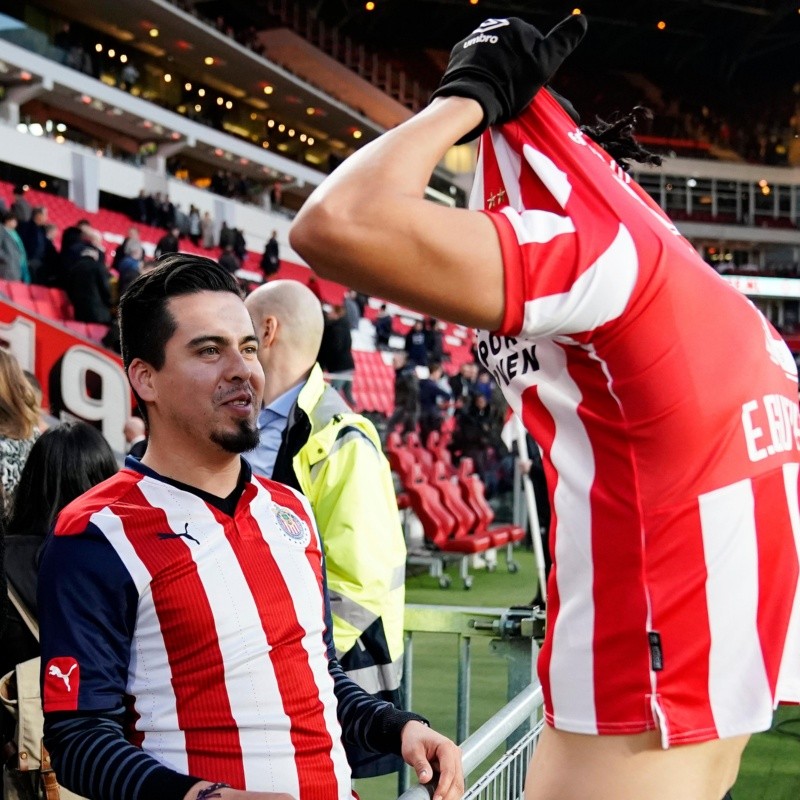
504, 63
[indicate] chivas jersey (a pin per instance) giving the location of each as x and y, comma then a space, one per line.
667, 410
209, 627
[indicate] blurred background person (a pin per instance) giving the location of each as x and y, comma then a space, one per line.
63, 463
19, 418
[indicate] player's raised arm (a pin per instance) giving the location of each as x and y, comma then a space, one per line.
368, 225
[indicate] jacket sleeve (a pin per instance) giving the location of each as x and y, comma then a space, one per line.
356, 512
368, 723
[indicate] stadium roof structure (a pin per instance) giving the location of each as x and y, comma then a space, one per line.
725, 43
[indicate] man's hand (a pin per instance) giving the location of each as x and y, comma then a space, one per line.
504, 63
427, 751
234, 794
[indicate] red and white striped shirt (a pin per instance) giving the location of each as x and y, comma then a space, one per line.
666, 407
226, 673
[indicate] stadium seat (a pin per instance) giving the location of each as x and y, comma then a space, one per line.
422, 456
472, 492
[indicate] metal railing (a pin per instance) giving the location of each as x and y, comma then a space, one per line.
513, 635
505, 778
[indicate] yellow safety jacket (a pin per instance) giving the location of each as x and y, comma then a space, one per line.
337, 462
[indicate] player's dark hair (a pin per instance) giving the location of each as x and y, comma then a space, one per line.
145, 322
616, 137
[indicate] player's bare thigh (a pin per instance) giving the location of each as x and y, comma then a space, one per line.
571, 766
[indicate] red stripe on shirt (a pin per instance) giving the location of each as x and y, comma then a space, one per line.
298, 689
676, 578
620, 647
190, 637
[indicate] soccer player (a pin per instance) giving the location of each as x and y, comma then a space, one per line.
185, 624
672, 470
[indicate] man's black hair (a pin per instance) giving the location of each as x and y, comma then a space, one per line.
616, 137
145, 322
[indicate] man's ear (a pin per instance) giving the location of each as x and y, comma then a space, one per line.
140, 375
269, 330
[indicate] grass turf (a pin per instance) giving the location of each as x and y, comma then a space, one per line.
771, 764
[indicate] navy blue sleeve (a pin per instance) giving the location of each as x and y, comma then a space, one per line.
87, 605
91, 757
87, 614
369, 723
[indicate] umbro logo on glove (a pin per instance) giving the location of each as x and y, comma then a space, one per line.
505, 78
479, 36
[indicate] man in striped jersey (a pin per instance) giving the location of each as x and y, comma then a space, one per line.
186, 645
673, 603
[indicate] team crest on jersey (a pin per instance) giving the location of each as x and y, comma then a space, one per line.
291, 526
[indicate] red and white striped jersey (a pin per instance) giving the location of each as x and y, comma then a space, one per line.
666, 407
219, 651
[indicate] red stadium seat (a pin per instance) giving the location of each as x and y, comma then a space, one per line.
472, 492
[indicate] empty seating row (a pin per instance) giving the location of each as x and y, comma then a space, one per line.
450, 504
44, 300
373, 383
52, 304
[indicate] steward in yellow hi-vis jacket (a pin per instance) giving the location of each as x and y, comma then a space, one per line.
334, 457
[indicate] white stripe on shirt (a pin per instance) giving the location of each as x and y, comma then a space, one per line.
727, 519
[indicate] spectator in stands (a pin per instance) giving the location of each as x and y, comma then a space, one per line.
229, 260
207, 231
19, 417
87, 283
139, 207
415, 348
484, 385
194, 228
406, 395
271, 260
335, 352
129, 267
153, 207
130, 243
170, 242
180, 220
11, 253
434, 344
433, 398
20, 207
135, 436
74, 241
463, 384
51, 266
352, 311
311, 440
64, 462
227, 236
34, 240
236, 572
383, 328
165, 213
474, 436
239, 245
599, 333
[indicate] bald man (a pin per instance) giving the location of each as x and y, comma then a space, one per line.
312, 441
